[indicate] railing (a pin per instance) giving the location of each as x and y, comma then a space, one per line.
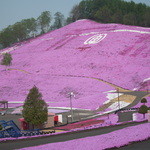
10, 129
125, 109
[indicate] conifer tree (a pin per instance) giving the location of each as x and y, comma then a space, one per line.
35, 109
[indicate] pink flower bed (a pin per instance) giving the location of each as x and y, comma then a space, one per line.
81, 124
113, 139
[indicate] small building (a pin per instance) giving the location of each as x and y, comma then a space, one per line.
23, 124
50, 120
59, 115
4, 103
125, 116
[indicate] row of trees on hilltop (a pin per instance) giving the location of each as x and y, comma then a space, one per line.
111, 11
28, 28
104, 11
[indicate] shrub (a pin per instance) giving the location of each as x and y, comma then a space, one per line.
143, 110
7, 59
144, 100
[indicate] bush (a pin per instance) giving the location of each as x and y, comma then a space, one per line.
143, 110
7, 59
144, 100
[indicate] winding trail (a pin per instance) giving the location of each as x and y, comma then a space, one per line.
19, 70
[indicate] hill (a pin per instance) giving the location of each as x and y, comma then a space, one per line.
93, 60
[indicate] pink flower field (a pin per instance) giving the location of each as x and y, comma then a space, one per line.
113, 139
66, 59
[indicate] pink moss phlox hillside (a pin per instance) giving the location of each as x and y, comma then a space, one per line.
121, 58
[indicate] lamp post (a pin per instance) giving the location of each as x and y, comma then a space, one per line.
118, 99
71, 94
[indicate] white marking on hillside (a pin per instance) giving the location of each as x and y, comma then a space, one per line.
126, 30
84, 34
118, 105
68, 108
82, 20
95, 39
73, 35
146, 79
9, 50
111, 96
110, 91
47, 39
135, 89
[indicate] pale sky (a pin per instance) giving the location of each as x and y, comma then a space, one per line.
12, 11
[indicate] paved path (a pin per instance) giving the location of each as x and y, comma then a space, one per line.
60, 138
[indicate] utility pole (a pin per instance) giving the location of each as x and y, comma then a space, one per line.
118, 98
70, 96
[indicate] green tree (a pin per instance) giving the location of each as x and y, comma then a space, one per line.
130, 19
146, 16
75, 13
144, 100
44, 21
104, 14
30, 26
7, 59
117, 17
143, 110
19, 30
111, 11
59, 20
68, 20
35, 109
86, 9
1, 46
7, 36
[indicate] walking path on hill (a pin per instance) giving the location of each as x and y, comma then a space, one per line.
22, 143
